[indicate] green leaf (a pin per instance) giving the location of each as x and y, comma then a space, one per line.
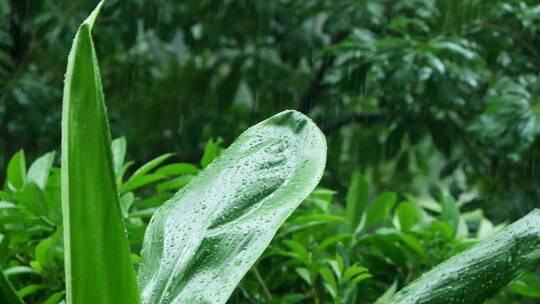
37, 267
118, 147
4, 246
299, 250
178, 169
454, 48
7, 293
480, 272
307, 221
332, 239
8, 205
485, 228
330, 282
144, 213
211, 151
174, 184
149, 166
323, 194
97, 257
55, 298
120, 175
318, 218
412, 242
201, 242
420, 214
304, 274
141, 177
353, 271
528, 286
126, 201
406, 215
383, 299
31, 197
140, 181
43, 252
18, 270
337, 266
30, 289
16, 171
40, 169
379, 209
450, 211
361, 277
357, 199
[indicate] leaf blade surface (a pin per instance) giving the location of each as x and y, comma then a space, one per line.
201, 242
480, 272
97, 258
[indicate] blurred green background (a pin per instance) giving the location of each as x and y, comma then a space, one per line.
422, 96
411, 92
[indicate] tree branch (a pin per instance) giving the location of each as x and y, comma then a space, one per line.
307, 102
315, 87
364, 118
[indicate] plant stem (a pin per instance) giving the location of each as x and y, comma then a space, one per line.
263, 284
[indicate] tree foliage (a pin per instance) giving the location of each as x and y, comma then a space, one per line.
391, 81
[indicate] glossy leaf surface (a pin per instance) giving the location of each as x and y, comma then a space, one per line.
201, 242
97, 258
477, 274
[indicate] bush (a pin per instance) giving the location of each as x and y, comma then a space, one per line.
317, 256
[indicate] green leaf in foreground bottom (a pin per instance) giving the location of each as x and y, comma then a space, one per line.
7, 293
97, 257
479, 273
201, 242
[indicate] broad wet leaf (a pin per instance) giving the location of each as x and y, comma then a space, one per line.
479, 273
201, 242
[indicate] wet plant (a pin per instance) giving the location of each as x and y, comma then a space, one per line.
201, 242
204, 239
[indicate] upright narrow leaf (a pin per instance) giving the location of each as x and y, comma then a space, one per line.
7, 293
97, 257
201, 242
477, 274
357, 199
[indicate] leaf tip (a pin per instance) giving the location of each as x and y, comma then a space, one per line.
92, 17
